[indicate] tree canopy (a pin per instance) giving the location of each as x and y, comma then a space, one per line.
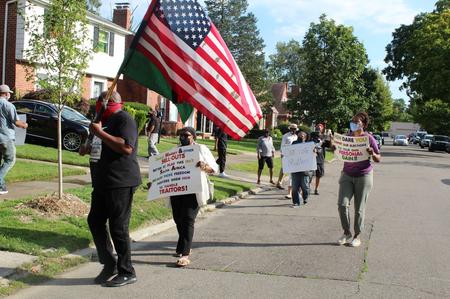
332, 85
239, 30
420, 53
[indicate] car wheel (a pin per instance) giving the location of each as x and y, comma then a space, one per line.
421, 146
71, 141
430, 149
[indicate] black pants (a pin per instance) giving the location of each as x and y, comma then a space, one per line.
222, 158
113, 205
184, 210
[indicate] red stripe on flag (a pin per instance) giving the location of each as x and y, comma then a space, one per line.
182, 92
197, 66
186, 75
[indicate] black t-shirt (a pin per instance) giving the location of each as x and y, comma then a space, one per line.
154, 121
118, 170
222, 138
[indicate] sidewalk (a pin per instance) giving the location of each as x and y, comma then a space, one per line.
11, 260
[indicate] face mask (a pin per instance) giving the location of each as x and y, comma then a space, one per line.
184, 140
354, 127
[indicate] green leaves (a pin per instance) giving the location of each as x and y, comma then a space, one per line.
58, 51
420, 52
334, 61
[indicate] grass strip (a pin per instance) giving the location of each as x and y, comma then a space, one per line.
50, 154
24, 171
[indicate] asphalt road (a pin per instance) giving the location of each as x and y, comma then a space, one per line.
261, 248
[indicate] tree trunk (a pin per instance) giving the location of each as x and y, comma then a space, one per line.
60, 170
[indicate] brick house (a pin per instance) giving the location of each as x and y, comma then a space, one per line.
281, 93
111, 39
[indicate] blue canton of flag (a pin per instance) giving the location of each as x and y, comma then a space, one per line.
186, 19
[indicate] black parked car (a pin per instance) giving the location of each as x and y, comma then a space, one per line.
439, 143
42, 119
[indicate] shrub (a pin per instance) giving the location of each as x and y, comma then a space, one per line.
276, 133
138, 106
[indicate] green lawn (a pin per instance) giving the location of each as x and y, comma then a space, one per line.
50, 154
32, 171
234, 147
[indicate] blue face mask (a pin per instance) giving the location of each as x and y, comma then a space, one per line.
354, 127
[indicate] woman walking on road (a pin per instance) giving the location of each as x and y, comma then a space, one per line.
185, 207
356, 181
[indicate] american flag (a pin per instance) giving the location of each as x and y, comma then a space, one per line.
178, 37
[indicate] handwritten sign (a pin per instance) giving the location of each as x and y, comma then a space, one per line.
350, 148
299, 157
175, 173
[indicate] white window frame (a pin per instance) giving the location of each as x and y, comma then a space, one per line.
99, 80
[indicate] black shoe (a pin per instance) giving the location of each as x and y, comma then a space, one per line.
106, 274
121, 280
280, 187
316, 192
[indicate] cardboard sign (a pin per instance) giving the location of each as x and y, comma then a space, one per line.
299, 157
20, 133
175, 173
350, 148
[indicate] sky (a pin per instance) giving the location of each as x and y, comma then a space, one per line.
282, 20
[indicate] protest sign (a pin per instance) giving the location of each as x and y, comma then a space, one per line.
20, 133
175, 173
351, 148
299, 157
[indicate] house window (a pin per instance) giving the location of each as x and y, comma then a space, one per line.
173, 112
103, 41
99, 87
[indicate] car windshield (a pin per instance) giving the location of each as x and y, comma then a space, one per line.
420, 135
400, 137
377, 137
71, 114
428, 136
441, 138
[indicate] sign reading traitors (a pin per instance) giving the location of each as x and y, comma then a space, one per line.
175, 173
351, 148
299, 157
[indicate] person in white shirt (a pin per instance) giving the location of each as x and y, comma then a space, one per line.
287, 139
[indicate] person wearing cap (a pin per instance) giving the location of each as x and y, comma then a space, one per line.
152, 132
287, 139
117, 178
8, 119
265, 153
185, 207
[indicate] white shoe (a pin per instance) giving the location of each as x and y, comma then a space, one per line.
345, 239
223, 175
356, 242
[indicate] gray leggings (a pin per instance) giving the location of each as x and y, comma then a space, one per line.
359, 188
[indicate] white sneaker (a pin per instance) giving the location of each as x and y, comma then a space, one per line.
223, 175
345, 239
356, 242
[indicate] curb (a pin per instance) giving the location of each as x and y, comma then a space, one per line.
150, 230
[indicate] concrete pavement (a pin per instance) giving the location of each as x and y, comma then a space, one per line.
260, 247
